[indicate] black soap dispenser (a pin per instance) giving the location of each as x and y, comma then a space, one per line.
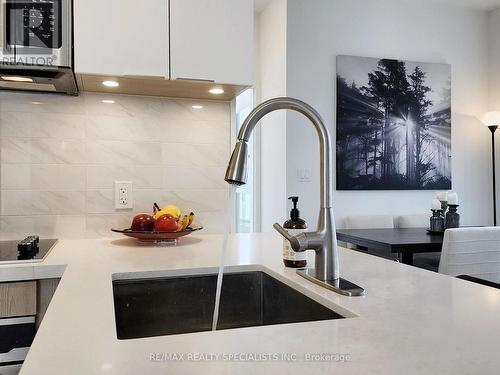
294, 226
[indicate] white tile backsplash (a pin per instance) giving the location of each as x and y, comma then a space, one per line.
36, 103
60, 157
195, 131
143, 176
189, 178
100, 225
194, 155
144, 199
207, 200
57, 177
123, 153
123, 128
42, 150
42, 202
100, 201
49, 226
42, 176
15, 176
182, 110
42, 125
15, 150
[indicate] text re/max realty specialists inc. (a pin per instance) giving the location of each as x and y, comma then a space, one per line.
249, 357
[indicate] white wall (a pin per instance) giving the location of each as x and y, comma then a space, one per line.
318, 31
494, 59
272, 82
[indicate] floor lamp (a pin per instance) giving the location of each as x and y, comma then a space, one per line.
492, 120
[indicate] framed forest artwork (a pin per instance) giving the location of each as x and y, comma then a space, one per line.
393, 124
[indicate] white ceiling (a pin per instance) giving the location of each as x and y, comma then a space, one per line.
486, 5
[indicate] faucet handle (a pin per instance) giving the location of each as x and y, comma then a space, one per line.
299, 243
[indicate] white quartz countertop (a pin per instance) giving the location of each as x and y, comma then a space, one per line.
411, 321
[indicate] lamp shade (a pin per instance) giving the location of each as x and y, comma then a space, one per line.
491, 119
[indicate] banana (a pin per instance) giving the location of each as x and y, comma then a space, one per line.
183, 223
191, 218
156, 208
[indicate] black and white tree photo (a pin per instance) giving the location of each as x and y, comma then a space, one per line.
393, 124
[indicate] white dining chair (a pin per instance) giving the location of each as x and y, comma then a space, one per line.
413, 221
473, 252
366, 222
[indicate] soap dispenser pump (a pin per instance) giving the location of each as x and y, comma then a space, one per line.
294, 226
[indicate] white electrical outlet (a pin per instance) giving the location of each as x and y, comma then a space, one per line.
123, 195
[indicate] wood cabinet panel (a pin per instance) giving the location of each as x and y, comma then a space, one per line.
45, 291
17, 299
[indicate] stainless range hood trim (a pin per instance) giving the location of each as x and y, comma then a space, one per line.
63, 81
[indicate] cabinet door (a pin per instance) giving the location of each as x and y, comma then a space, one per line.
17, 299
212, 40
121, 37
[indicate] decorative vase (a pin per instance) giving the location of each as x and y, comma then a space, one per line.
452, 217
437, 221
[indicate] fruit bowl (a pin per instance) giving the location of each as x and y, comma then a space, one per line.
161, 238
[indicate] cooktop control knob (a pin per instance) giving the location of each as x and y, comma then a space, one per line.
28, 248
35, 240
25, 250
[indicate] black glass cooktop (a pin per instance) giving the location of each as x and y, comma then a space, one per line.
31, 249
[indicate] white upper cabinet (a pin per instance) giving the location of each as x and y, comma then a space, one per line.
121, 37
212, 40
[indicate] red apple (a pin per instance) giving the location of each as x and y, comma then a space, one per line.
166, 223
143, 222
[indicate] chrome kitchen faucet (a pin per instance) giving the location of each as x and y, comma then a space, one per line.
324, 240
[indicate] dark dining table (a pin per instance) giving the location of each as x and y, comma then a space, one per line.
399, 243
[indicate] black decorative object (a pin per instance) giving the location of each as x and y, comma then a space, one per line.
436, 222
393, 124
452, 217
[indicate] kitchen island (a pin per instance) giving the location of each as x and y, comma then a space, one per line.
410, 321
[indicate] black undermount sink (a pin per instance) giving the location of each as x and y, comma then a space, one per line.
176, 305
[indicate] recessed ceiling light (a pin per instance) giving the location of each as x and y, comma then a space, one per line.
37, 103
111, 83
216, 91
197, 106
108, 101
17, 79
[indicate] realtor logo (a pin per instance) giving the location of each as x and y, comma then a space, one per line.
31, 28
